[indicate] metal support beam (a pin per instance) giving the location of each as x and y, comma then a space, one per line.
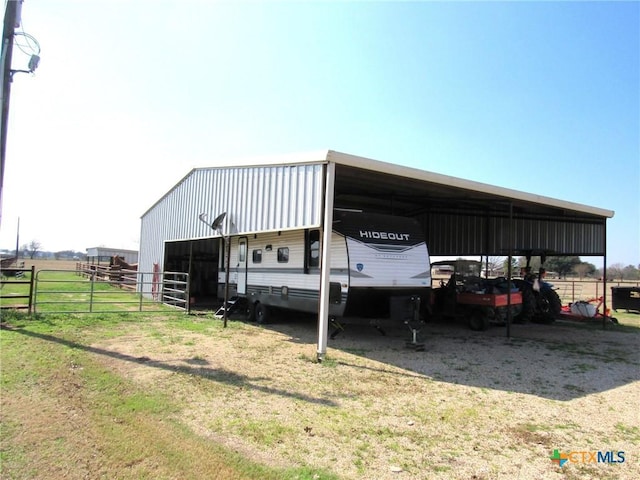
604, 280
227, 267
325, 267
509, 268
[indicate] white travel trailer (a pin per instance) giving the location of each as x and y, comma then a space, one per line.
377, 261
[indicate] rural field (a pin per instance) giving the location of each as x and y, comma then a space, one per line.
165, 395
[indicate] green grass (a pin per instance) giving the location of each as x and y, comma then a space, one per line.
126, 431
632, 433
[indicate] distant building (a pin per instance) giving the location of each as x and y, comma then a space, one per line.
102, 255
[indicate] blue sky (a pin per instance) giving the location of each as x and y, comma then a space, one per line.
129, 96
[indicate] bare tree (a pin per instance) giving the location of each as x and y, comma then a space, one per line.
33, 248
582, 269
492, 265
631, 273
615, 271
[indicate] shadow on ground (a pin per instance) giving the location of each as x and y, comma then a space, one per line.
194, 366
562, 361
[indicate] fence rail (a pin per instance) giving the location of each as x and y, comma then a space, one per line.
96, 291
14, 278
571, 291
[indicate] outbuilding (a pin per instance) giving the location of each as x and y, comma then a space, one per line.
301, 191
104, 255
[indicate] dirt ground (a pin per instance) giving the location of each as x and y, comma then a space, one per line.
472, 405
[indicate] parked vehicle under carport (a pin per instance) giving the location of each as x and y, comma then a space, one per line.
541, 303
478, 301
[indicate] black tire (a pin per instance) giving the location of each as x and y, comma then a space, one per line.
261, 313
251, 312
528, 302
549, 306
478, 321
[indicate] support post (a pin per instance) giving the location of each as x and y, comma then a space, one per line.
604, 280
227, 242
509, 268
325, 266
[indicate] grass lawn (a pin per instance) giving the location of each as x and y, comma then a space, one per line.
65, 415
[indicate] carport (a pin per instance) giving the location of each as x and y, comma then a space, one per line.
300, 191
460, 217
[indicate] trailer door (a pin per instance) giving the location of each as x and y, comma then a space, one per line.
242, 265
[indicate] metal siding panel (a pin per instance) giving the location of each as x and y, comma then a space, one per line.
232, 198
295, 203
255, 195
269, 193
280, 204
287, 205
451, 234
276, 204
255, 199
563, 238
309, 185
245, 197
261, 200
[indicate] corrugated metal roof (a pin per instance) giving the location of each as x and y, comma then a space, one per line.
403, 173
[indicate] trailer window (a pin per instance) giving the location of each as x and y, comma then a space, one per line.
257, 256
313, 248
283, 254
242, 252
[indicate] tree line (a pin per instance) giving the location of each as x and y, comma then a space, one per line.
567, 266
33, 249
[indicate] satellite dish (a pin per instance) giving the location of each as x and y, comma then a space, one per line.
217, 223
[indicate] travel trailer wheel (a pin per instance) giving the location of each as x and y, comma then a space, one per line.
261, 313
251, 312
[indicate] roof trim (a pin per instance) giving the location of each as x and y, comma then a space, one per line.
317, 156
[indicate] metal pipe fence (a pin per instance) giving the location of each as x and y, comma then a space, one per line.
572, 290
117, 291
19, 292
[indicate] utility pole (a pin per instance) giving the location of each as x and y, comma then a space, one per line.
11, 22
18, 241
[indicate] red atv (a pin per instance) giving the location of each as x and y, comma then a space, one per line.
467, 294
